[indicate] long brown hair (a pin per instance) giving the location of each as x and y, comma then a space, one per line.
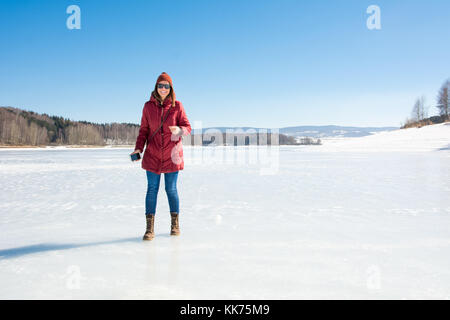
158, 97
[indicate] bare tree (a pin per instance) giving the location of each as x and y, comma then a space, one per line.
443, 100
419, 111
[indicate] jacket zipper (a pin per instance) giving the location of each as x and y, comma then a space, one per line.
162, 145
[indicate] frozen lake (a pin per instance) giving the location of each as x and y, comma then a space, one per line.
318, 224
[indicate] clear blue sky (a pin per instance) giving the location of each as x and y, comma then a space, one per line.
234, 63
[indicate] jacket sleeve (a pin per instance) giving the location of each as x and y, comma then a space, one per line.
143, 132
183, 122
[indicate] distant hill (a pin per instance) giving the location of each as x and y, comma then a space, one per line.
328, 131
333, 131
317, 131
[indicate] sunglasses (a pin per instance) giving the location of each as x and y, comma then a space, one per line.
162, 85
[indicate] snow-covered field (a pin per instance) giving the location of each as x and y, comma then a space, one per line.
372, 222
428, 138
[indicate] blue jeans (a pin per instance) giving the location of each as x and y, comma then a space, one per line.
170, 181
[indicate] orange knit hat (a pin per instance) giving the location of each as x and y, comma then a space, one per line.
164, 76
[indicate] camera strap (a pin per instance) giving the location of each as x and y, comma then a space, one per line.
162, 121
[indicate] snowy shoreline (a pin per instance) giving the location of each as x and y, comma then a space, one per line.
428, 138
69, 147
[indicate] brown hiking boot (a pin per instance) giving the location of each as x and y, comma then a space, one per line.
175, 226
149, 233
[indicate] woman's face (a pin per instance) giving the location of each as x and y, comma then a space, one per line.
163, 92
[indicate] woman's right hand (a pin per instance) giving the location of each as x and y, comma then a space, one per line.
136, 151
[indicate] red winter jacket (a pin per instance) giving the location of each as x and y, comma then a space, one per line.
164, 153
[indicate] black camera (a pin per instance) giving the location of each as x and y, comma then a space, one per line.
135, 156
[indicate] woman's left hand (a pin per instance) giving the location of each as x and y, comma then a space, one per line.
176, 130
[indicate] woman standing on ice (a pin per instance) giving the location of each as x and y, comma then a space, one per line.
163, 124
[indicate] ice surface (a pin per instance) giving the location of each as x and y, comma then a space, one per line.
372, 222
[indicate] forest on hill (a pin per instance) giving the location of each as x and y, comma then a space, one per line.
20, 127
